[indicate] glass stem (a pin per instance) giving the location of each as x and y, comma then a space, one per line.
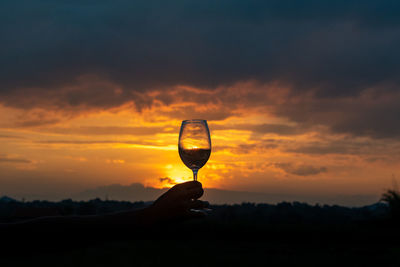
195, 174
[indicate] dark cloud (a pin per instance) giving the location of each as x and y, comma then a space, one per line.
323, 149
280, 129
95, 142
34, 123
167, 180
113, 130
84, 54
366, 148
301, 170
374, 113
14, 160
7, 136
139, 45
200, 111
259, 147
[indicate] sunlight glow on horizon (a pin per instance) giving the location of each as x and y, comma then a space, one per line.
124, 146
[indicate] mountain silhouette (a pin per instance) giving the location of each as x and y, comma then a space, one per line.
132, 192
138, 192
6, 199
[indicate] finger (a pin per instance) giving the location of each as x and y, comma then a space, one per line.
193, 193
187, 185
187, 190
198, 204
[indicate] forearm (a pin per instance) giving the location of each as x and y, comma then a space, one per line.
58, 229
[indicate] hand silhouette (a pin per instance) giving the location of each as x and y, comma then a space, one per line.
179, 203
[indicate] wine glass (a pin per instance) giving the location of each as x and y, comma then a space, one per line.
194, 144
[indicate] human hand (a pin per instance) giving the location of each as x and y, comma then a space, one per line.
179, 202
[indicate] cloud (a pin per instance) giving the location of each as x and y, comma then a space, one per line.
94, 142
8, 136
81, 56
280, 129
258, 147
112, 130
201, 111
323, 149
153, 44
301, 170
167, 180
373, 113
14, 160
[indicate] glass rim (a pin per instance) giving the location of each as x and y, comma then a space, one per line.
194, 120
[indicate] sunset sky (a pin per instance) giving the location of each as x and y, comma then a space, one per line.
301, 97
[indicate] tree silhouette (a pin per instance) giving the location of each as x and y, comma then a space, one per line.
392, 197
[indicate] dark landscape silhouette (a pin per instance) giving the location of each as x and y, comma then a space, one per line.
138, 192
285, 212
361, 235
